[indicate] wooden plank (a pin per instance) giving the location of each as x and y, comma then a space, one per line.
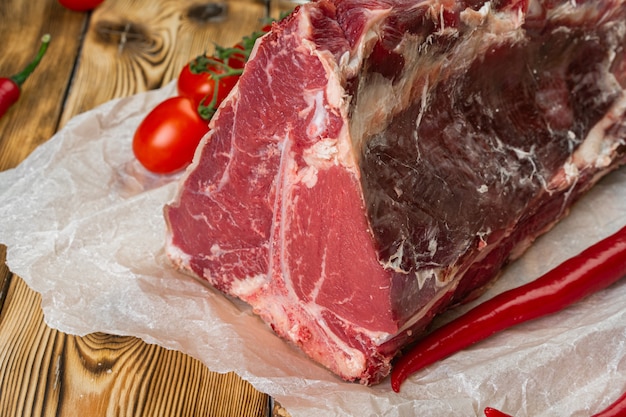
139, 45
5, 277
51, 373
129, 46
34, 118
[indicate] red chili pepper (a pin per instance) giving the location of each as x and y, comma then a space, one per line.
492, 412
592, 270
617, 409
10, 87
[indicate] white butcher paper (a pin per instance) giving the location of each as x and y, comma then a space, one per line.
83, 225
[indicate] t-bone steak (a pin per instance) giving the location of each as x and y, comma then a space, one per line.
382, 160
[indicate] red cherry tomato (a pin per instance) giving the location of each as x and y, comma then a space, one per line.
237, 60
80, 5
197, 81
167, 138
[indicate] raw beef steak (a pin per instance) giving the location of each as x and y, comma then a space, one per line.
381, 160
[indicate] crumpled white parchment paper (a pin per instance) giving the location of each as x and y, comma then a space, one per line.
83, 225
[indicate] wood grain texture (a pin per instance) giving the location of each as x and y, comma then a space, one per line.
51, 373
5, 276
138, 45
34, 118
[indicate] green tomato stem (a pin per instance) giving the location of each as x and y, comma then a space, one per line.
20, 77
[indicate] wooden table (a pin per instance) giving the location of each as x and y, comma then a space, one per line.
121, 48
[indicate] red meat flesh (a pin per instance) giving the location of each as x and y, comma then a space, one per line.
380, 161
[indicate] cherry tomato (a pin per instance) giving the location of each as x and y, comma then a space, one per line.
200, 86
166, 139
237, 60
80, 5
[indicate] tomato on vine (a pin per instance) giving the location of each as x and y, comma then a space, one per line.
166, 139
237, 55
207, 82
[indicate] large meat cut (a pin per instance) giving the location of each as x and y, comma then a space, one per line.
382, 160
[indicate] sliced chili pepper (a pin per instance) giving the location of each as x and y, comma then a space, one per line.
10, 86
592, 270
